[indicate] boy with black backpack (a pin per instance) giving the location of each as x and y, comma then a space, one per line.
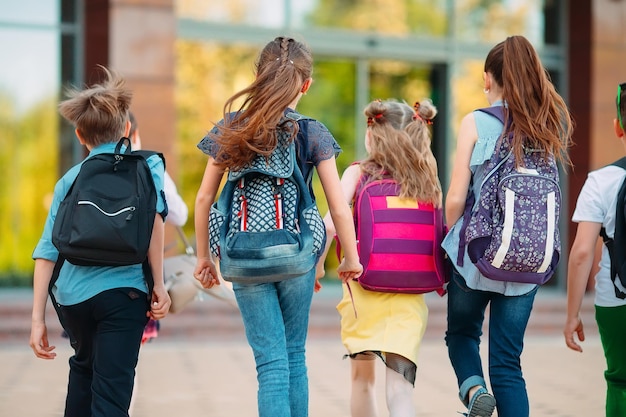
103, 295
600, 211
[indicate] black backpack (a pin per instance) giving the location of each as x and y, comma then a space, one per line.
107, 216
617, 245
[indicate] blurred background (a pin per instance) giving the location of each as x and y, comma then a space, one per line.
184, 58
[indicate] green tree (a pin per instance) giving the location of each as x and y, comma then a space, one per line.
27, 177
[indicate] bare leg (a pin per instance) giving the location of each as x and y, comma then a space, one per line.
399, 393
363, 398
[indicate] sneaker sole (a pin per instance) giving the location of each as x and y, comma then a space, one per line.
483, 406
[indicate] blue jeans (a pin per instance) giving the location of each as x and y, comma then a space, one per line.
276, 320
507, 324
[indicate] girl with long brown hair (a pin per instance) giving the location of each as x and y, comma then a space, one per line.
275, 314
538, 119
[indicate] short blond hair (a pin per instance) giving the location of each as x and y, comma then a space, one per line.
99, 112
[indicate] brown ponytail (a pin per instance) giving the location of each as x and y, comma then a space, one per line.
540, 118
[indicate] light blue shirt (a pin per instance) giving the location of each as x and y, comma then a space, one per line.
489, 131
79, 283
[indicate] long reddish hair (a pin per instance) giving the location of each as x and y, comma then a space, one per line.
540, 118
282, 67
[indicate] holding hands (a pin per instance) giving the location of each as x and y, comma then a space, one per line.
206, 273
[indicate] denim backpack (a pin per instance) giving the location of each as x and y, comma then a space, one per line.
265, 225
617, 245
512, 231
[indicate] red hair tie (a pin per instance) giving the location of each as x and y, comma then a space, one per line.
417, 116
370, 120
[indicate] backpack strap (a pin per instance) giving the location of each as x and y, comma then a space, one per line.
493, 165
495, 111
619, 222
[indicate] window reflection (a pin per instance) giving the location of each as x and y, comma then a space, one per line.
29, 124
29, 11
494, 20
421, 17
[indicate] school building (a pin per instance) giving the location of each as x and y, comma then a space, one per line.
184, 58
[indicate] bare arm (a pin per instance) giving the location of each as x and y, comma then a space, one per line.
205, 271
39, 331
349, 182
461, 174
161, 302
578, 268
341, 216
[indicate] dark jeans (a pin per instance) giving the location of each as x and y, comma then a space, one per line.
507, 324
105, 332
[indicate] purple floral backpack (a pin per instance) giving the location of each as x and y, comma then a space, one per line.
512, 231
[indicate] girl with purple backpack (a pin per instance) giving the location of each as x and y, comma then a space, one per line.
385, 325
516, 80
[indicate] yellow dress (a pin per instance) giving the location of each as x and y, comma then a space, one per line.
386, 322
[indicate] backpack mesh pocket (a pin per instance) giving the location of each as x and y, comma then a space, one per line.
316, 224
216, 221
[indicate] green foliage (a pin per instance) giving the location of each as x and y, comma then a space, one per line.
28, 172
398, 17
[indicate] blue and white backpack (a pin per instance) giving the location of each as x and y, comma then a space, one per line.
265, 225
512, 230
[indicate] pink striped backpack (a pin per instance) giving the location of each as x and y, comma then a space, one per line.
399, 240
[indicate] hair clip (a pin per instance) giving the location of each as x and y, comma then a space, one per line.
290, 61
370, 121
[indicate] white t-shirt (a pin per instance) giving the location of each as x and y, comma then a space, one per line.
177, 209
597, 203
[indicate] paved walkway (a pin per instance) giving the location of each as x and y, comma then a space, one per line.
189, 373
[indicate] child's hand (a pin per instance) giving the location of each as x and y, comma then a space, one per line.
160, 304
348, 270
206, 273
574, 327
39, 341
318, 285
319, 270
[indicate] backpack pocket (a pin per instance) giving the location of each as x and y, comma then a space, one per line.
216, 224
262, 245
521, 243
95, 227
314, 220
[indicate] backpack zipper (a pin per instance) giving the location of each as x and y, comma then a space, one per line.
130, 209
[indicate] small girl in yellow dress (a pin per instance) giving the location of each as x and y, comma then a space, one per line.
388, 325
